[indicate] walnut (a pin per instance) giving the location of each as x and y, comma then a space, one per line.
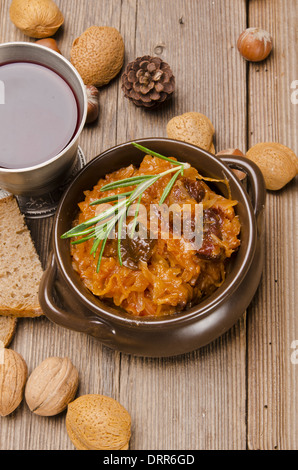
13, 375
36, 18
51, 386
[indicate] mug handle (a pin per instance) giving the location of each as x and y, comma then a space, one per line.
256, 183
86, 323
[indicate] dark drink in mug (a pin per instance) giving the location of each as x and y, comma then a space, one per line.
38, 114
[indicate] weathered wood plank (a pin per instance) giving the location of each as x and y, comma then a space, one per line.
37, 339
196, 401
272, 324
208, 409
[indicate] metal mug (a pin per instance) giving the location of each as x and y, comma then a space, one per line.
44, 177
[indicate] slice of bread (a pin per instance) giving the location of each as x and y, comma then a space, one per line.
20, 267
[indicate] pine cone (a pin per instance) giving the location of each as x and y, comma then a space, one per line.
148, 81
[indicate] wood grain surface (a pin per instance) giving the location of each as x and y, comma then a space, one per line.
272, 322
241, 391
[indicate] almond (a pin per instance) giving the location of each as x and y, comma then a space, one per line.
51, 386
194, 128
13, 375
98, 55
97, 422
277, 162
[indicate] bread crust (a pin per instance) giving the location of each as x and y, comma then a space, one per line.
8, 305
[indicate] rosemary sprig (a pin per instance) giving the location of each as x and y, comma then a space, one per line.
100, 226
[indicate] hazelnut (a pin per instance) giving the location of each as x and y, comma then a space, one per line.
97, 422
50, 43
277, 162
98, 55
240, 174
93, 104
36, 18
51, 386
194, 128
235, 152
254, 44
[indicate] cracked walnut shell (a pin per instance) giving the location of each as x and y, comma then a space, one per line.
97, 422
51, 386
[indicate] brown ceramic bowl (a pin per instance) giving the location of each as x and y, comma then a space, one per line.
67, 302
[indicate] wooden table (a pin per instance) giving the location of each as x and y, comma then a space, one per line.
241, 391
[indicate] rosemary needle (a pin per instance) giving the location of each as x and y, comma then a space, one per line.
155, 154
169, 186
110, 198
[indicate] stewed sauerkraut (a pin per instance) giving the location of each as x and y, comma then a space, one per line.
160, 275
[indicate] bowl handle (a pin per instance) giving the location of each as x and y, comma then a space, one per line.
256, 184
82, 320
